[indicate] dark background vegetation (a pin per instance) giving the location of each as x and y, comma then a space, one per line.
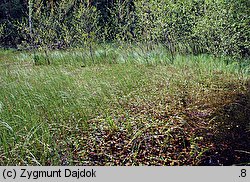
219, 27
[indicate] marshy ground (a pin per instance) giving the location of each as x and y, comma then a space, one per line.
125, 108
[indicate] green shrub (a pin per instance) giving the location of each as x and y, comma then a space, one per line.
219, 27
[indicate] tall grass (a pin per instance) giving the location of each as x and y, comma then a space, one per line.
68, 112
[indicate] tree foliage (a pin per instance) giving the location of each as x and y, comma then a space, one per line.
219, 27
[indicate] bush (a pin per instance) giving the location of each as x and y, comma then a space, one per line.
219, 27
